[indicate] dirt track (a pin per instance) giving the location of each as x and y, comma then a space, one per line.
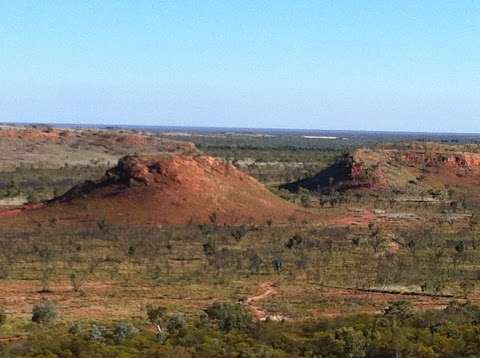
269, 289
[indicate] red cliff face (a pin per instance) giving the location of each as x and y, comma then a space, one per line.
444, 163
357, 171
379, 168
447, 161
412, 166
450, 160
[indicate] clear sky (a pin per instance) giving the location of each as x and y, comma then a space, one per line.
373, 65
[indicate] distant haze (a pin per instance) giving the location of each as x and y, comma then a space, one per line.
338, 65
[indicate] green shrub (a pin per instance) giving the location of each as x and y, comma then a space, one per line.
124, 331
399, 309
161, 337
229, 316
203, 320
176, 322
45, 313
75, 329
95, 334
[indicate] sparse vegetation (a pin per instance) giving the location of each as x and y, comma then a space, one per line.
192, 290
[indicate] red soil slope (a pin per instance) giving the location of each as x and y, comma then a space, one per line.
168, 190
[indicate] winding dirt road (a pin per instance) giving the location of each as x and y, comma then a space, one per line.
268, 289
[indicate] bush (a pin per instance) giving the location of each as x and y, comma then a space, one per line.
45, 313
176, 322
156, 314
277, 264
124, 331
161, 337
203, 320
229, 316
399, 309
295, 242
77, 281
95, 334
75, 329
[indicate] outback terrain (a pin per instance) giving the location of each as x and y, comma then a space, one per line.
234, 244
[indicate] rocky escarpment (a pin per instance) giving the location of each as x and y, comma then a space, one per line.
387, 167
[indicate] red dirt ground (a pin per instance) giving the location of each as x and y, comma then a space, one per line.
361, 218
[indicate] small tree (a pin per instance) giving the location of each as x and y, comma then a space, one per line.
157, 316
397, 311
295, 242
77, 281
213, 218
254, 260
460, 247
103, 225
305, 200
229, 316
349, 342
75, 329
203, 320
238, 232
277, 264
209, 248
269, 222
47, 256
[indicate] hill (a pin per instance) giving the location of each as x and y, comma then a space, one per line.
167, 190
399, 168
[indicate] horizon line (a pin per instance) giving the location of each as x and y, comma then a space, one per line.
206, 127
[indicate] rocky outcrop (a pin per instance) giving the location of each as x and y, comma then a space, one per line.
175, 190
388, 167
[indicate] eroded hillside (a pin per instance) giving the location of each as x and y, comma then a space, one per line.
414, 166
168, 190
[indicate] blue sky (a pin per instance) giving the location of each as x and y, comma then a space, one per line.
371, 65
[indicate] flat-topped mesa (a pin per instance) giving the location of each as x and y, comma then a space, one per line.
421, 156
174, 190
384, 167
